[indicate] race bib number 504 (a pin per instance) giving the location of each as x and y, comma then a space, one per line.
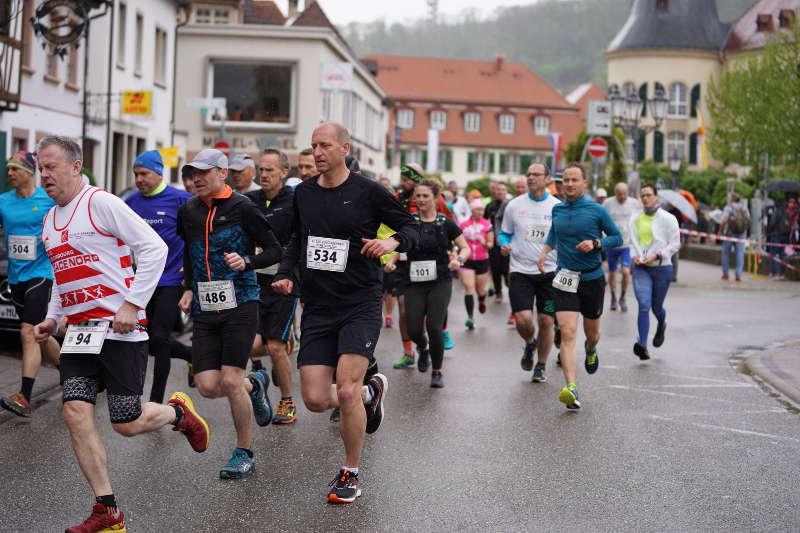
323, 253
22, 247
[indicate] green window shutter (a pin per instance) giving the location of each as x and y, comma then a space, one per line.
524, 162
470, 162
658, 147
549, 162
642, 147
448, 161
693, 149
695, 99
491, 163
643, 97
424, 160
402, 157
502, 163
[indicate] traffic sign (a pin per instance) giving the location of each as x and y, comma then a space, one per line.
598, 147
224, 147
600, 119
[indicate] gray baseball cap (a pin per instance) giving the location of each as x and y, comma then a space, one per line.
241, 162
209, 158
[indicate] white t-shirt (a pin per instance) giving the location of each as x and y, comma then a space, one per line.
461, 209
528, 221
621, 215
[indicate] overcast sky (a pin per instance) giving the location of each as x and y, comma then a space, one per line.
342, 12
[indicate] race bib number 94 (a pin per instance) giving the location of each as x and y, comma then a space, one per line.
216, 295
22, 247
567, 280
86, 337
323, 253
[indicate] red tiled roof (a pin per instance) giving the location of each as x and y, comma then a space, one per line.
583, 94
313, 16
263, 12
745, 35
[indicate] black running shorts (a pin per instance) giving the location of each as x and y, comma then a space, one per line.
275, 316
328, 333
30, 299
525, 288
588, 301
480, 267
224, 338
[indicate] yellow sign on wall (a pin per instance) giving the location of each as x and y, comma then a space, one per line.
169, 156
137, 102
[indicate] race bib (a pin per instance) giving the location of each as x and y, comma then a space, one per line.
567, 280
323, 253
423, 271
536, 233
216, 295
22, 247
86, 337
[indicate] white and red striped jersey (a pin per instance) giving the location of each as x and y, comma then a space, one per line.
89, 243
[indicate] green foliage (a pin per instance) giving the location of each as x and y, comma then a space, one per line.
708, 186
721, 191
615, 165
90, 175
481, 184
650, 172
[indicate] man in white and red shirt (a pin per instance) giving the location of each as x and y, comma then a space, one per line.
89, 236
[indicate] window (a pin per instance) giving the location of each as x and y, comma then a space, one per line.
472, 122
212, 16
327, 106
51, 62
678, 101
628, 88
439, 120
507, 123
72, 66
160, 63
405, 118
137, 52
541, 125
512, 162
27, 34
121, 26
786, 18
676, 143
480, 162
255, 92
414, 155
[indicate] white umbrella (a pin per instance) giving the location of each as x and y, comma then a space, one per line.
679, 202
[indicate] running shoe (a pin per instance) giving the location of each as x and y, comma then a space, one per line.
592, 361
725, 277
738, 278
498, 298
470, 324
658, 339
490, 292
262, 408
424, 361
558, 358
99, 521
557, 337
389, 323
379, 385
448, 341
345, 487
336, 414
192, 426
538, 375
641, 351
285, 413
569, 397
372, 369
613, 303
405, 362
623, 306
436, 380
481, 306
512, 320
190, 375
527, 357
256, 365
239, 465
17, 404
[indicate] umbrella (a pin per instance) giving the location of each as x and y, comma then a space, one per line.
689, 196
783, 186
679, 202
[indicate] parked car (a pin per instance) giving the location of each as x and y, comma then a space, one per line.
9, 321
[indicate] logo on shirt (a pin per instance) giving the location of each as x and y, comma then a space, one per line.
346, 202
65, 236
35, 208
161, 213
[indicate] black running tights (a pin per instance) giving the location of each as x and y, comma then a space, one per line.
426, 308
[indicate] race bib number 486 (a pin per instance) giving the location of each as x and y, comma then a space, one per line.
216, 295
323, 253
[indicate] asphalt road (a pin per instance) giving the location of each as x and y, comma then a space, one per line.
684, 442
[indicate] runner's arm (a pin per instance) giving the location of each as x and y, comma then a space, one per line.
291, 253
674, 243
397, 218
54, 310
256, 225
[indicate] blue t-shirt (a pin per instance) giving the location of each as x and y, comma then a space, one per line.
161, 212
23, 217
576, 221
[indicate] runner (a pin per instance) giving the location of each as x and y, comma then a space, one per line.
526, 223
655, 236
577, 232
186, 177
336, 215
430, 279
475, 272
558, 183
221, 229
461, 209
243, 171
520, 187
621, 207
495, 210
158, 203
89, 236
276, 311
30, 275
306, 168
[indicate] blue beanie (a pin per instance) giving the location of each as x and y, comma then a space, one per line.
151, 160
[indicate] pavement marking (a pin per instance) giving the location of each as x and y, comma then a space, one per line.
708, 386
754, 412
715, 380
724, 428
665, 393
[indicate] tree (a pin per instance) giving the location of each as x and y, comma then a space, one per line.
615, 165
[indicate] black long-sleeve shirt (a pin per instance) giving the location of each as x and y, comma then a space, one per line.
351, 211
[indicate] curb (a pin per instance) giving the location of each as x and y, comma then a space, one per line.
764, 366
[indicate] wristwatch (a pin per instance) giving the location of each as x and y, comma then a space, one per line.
596, 244
248, 263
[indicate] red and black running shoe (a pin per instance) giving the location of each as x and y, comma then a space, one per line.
379, 384
345, 488
192, 425
100, 520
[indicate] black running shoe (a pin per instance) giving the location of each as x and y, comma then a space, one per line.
372, 369
345, 488
379, 384
641, 351
436, 379
527, 357
658, 339
424, 360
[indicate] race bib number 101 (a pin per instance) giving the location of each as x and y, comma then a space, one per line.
323, 253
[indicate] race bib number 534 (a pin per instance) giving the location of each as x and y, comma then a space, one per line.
323, 253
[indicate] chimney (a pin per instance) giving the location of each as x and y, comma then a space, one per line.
500, 59
293, 8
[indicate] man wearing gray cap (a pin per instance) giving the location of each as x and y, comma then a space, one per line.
243, 170
221, 229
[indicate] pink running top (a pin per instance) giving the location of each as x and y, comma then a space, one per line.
474, 232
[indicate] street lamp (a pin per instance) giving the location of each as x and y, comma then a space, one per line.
675, 162
627, 113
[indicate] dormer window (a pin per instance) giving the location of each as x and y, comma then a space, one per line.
786, 18
764, 23
662, 5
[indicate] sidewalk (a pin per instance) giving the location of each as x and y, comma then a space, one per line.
697, 275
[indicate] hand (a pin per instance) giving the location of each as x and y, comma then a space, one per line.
42, 330
234, 261
454, 264
585, 246
283, 286
389, 267
540, 263
185, 302
650, 259
125, 319
375, 248
505, 250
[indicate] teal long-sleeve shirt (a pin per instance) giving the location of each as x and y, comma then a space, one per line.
576, 221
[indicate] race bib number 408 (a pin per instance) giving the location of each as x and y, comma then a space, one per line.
567, 280
323, 253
